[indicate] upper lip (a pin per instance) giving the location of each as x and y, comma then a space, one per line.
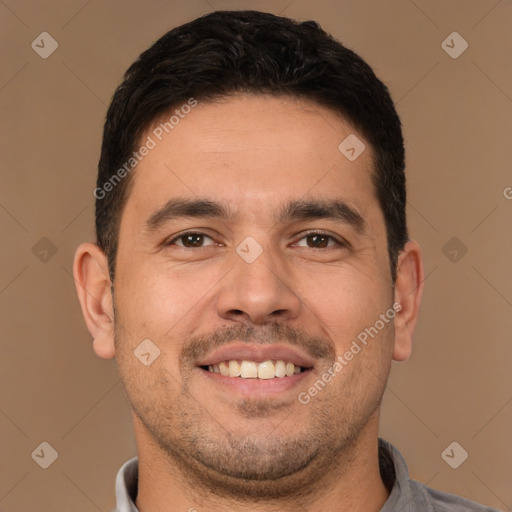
258, 353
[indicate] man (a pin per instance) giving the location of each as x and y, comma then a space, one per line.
253, 274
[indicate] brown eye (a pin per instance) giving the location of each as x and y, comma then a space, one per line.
194, 240
318, 241
191, 240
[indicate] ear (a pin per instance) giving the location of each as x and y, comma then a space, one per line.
408, 292
90, 270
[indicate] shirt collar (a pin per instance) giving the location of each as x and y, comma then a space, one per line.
400, 496
127, 481
390, 458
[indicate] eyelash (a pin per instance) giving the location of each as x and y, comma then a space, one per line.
339, 243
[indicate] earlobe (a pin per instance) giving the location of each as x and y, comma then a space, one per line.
93, 286
408, 292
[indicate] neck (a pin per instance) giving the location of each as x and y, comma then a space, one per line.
350, 483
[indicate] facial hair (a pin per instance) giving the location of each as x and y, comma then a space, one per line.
222, 455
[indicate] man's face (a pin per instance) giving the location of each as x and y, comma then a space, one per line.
208, 298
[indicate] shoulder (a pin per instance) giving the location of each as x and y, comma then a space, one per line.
410, 495
446, 502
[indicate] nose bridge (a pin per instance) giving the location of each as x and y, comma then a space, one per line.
258, 287
258, 267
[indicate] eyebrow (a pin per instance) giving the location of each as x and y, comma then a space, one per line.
330, 209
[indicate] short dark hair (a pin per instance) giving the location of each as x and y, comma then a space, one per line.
229, 52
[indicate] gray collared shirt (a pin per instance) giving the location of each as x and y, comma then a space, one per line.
406, 495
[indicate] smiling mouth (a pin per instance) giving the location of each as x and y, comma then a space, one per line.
266, 370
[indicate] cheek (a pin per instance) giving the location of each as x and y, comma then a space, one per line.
344, 299
156, 300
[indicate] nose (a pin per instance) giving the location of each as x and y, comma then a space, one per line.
258, 292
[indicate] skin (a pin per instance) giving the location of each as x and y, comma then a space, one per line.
200, 444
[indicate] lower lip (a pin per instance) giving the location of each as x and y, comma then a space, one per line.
256, 387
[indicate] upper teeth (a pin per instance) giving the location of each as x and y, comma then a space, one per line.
253, 370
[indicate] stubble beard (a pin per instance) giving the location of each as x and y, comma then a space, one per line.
265, 464
243, 464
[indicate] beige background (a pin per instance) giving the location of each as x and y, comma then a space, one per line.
457, 116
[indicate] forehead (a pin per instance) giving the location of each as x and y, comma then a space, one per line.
251, 152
